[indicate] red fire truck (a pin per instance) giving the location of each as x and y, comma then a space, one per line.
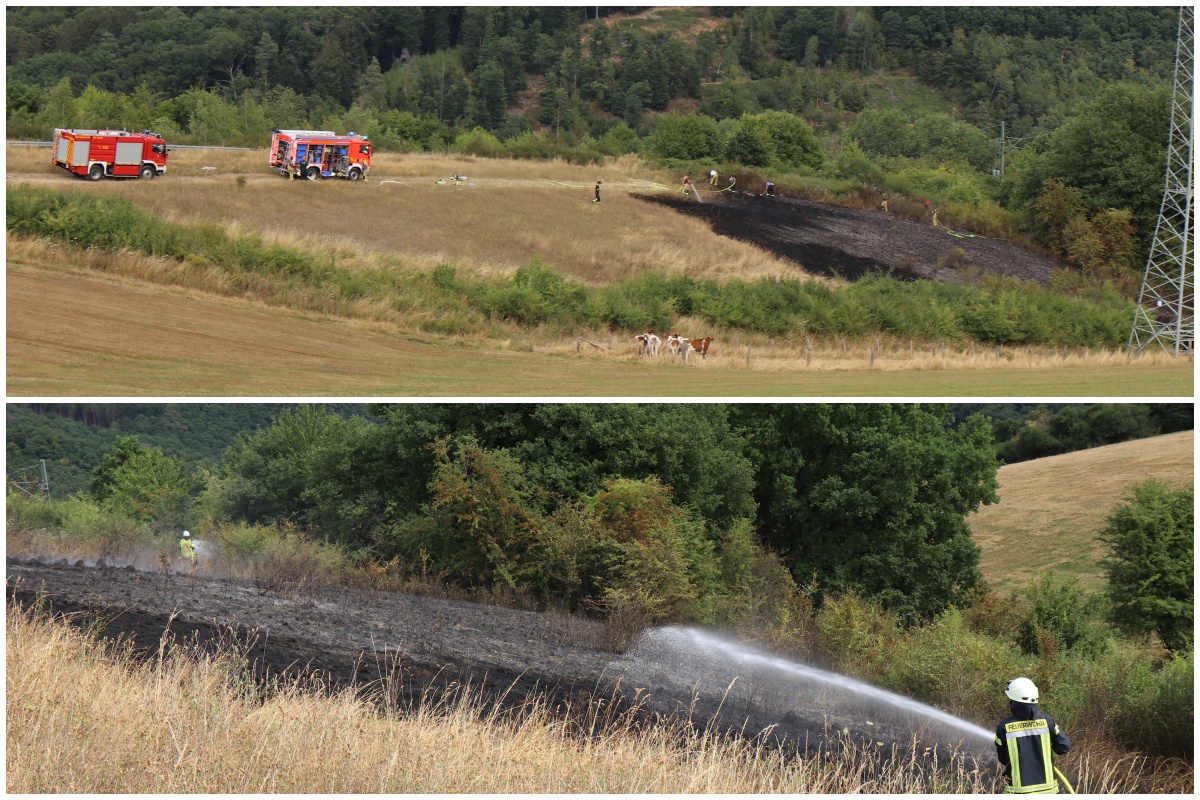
320, 154
110, 154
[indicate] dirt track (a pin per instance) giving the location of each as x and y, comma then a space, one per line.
831, 240
358, 637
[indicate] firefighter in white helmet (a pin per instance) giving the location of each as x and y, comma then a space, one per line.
187, 548
1027, 742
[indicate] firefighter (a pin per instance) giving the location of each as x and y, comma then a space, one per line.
884, 205
712, 177
1027, 741
770, 190
730, 185
597, 200
687, 184
187, 548
935, 215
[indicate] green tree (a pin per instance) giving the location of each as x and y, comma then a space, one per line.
750, 144
1113, 151
372, 94
144, 484
1151, 562
872, 498
489, 97
311, 467
685, 137
792, 139
264, 58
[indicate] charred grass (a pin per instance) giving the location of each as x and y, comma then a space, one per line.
85, 715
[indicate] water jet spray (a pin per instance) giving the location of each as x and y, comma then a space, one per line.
773, 693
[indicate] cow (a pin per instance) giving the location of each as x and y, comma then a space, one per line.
674, 343
699, 345
647, 343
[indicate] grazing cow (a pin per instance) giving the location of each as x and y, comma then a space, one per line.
647, 343
699, 345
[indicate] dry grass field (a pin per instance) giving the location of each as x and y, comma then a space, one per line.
508, 213
91, 323
1051, 509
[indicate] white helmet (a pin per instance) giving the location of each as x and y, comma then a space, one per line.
186, 535
1022, 690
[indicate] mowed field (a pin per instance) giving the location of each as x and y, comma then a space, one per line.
1051, 509
73, 334
80, 325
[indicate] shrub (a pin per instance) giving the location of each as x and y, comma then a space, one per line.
951, 666
1057, 612
858, 635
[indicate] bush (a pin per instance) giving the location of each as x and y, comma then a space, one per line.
1057, 613
857, 635
949, 665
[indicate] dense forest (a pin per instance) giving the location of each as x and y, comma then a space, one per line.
912, 100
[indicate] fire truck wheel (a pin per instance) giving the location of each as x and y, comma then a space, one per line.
355, 174
96, 172
147, 172
313, 173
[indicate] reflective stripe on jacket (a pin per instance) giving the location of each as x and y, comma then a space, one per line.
185, 548
1026, 748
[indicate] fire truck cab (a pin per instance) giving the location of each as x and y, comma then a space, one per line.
97, 154
320, 154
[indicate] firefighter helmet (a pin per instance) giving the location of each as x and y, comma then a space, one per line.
187, 535
1022, 690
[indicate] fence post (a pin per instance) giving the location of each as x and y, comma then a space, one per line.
872, 356
578, 343
748, 350
808, 344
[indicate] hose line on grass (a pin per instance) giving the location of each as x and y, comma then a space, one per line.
1063, 778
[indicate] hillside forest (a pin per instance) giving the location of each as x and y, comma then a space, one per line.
1045, 123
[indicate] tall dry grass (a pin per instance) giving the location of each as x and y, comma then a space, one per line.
87, 716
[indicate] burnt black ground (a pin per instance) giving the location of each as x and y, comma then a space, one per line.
419, 646
836, 241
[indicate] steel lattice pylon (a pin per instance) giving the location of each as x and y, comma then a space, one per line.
1166, 309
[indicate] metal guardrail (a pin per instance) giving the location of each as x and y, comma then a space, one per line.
13, 143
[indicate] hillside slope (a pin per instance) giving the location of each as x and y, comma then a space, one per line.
1051, 509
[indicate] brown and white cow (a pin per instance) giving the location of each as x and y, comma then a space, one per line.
647, 343
698, 345
674, 343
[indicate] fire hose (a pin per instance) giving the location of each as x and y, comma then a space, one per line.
1063, 778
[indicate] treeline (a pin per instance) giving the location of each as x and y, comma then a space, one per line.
74, 437
1020, 64
997, 311
664, 510
1045, 432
